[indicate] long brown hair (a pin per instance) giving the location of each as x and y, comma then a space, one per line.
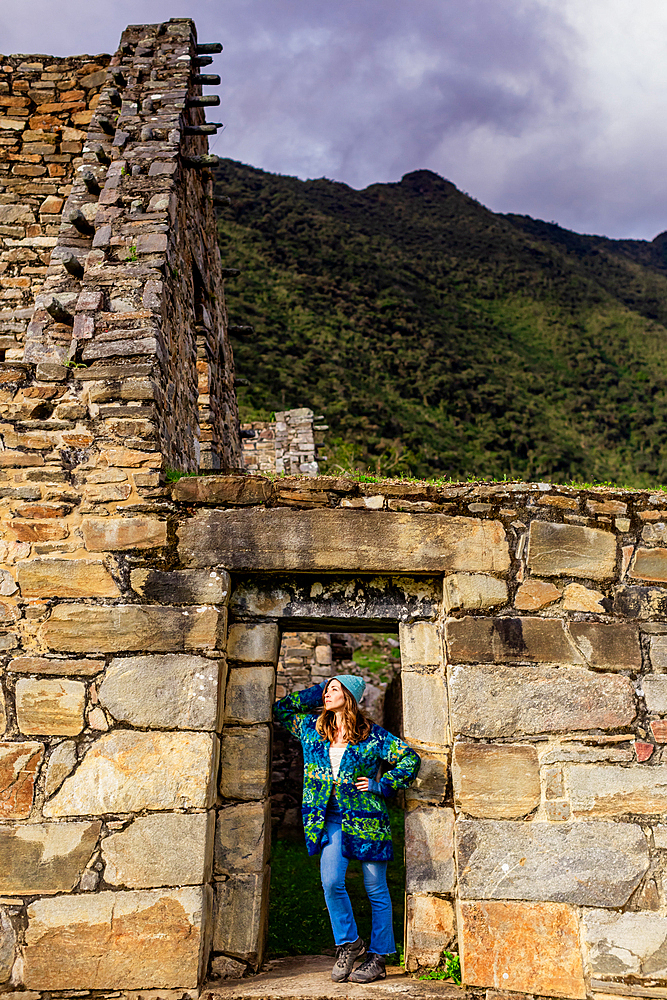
357, 726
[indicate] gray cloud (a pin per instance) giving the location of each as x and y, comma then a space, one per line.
519, 102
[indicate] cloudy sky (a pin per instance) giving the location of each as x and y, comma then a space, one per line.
552, 108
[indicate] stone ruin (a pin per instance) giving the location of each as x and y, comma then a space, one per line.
140, 621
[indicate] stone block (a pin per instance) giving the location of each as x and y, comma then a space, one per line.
249, 696
45, 858
570, 550
190, 586
649, 564
51, 665
510, 640
488, 701
7, 946
3, 713
126, 771
253, 643
579, 598
66, 578
80, 628
429, 850
655, 693
243, 838
585, 864
473, 591
659, 653
147, 939
425, 717
244, 762
241, 916
362, 541
236, 490
421, 645
49, 707
432, 782
608, 647
535, 594
109, 534
524, 947
161, 850
641, 602
62, 762
496, 780
19, 763
171, 691
626, 944
429, 930
599, 790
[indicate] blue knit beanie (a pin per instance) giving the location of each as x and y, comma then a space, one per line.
354, 684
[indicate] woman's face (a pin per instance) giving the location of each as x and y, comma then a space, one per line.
333, 696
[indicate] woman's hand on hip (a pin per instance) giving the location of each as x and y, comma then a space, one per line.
362, 784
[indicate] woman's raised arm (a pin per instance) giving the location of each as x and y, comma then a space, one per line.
289, 711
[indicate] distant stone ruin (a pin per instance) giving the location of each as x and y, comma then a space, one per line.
140, 622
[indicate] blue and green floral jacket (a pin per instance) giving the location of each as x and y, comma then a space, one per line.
365, 826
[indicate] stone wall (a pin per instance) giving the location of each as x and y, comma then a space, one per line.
286, 445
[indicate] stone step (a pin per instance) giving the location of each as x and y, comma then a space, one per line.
308, 977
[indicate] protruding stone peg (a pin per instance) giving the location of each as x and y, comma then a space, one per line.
102, 157
221, 199
240, 329
90, 180
59, 313
207, 160
207, 79
73, 265
210, 101
209, 48
114, 97
80, 222
202, 60
230, 272
117, 77
106, 125
210, 128
241, 381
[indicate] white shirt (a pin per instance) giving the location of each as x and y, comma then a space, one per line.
335, 756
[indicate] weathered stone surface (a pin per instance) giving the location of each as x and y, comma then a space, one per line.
253, 643
51, 665
243, 838
473, 591
3, 713
241, 915
641, 602
659, 730
189, 586
608, 647
126, 771
147, 939
599, 790
66, 578
244, 762
45, 857
421, 645
570, 550
359, 541
62, 762
579, 598
249, 696
626, 944
430, 929
171, 691
50, 707
655, 693
7, 945
525, 947
492, 701
586, 864
535, 594
509, 640
224, 967
237, 490
649, 564
80, 628
429, 849
19, 763
497, 781
425, 718
659, 653
432, 782
584, 753
108, 534
161, 850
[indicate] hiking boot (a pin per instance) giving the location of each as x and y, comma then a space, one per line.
346, 956
370, 970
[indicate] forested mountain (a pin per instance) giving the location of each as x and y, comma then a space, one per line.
441, 339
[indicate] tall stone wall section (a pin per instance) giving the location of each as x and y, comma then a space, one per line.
287, 445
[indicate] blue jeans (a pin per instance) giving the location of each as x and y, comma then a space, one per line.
333, 867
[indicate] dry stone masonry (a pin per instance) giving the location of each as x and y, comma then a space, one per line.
140, 623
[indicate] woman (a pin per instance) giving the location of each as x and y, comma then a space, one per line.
344, 814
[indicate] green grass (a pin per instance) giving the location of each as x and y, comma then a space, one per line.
298, 917
449, 968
